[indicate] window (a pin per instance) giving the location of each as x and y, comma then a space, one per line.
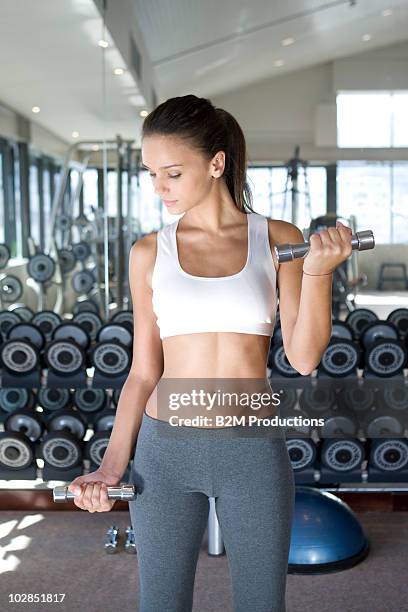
272, 193
376, 193
372, 119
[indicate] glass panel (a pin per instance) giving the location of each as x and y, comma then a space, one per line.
364, 119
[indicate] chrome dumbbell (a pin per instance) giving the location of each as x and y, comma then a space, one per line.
130, 543
360, 241
123, 492
111, 542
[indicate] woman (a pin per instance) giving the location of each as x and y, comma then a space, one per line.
204, 293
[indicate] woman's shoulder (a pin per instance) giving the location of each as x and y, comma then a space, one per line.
283, 231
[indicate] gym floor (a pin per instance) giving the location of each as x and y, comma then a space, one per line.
62, 552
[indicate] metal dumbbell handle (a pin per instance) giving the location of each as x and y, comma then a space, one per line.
123, 492
361, 241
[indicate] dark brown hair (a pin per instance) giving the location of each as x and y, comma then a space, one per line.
209, 129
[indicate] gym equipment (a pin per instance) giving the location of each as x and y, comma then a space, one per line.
17, 457
41, 267
90, 400
7, 320
388, 460
356, 396
112, 362
19, 357
378, 329
360, 241
318, 398
81, 251
130, 541
25, 313
83, 281
15, 399
380, 423
341, 460
85, 306
115, 396
104, 420
62, 447
124, 317
64, 357
302, 453
111, 543
46, 321
326, 534
338, 423
11, 289
399, 318
358, 319
28, 332
67, 260
115, 332
124, 492
28, 422
54, 399
90, 321
341, 358
386, 357
4, 255
215, 542
340, 329
394, 395
73, 332
95, 448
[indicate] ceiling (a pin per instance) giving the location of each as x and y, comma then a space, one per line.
219, 45
50, 56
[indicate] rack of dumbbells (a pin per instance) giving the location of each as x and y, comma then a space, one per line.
351, 430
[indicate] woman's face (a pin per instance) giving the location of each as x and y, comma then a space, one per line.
182, 177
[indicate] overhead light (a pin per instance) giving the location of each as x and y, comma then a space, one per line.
118, 71
144, 113
366, 37
95, 147
35, 109
286, 42
278, 63
75, 134
103, 43
387, 13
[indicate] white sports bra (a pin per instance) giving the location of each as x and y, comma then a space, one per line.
245, 302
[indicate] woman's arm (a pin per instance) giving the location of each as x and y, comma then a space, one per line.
305, 302
147, 362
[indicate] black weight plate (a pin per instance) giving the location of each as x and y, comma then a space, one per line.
399, 318
279, 363
11, 288
342, 455
73, 332
19, 356
111, 358
68, 420
28, 422
16, 451
395, 395
125, 317
358, 319
95, 447
14, 399
29, 332
41, 267
357, 397
376, 330
302, 453
4, 255
90, 399
64, 357
389, 455
25, 313
90, 322
277, 335
317, 399
7, 320
113, 332
63, 222
67, 260
340, 358
287, 399
51, 399
340, 329
46, 321
382, 424
86, 306
81, 250
104, 421
61, 450
386, 358
82, 281
338, 424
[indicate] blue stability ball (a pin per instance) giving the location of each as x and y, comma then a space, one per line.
326, 534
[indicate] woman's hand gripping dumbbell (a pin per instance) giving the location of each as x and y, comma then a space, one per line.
326, 249
91, 491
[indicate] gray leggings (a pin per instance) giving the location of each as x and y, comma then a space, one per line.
175, 470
